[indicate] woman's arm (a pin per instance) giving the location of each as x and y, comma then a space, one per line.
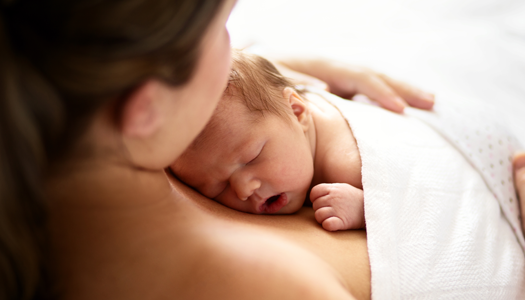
346, 80
519, 177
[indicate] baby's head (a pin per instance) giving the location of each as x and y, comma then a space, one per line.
255, 155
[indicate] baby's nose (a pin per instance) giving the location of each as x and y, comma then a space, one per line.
246, 189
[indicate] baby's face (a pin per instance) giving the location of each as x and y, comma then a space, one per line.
260, 165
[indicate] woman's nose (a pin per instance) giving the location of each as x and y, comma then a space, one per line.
244, 186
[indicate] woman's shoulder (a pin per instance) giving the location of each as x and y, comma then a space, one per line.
252, 264
247, 262
292, 246
199, 256
176, 248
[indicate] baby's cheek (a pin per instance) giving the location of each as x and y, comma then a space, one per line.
301, 166
297, 178
306, 174
294, 205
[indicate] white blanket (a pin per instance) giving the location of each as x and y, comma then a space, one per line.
435, 229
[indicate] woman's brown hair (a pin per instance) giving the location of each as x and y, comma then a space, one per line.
60, 61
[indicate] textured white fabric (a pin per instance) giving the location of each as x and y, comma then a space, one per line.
487, 144
435, 230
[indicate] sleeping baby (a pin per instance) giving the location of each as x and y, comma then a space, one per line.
269, 150
438, 184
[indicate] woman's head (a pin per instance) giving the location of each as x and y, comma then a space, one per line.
66, 62
86, 54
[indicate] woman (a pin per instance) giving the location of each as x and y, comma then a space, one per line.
519, 177
97, 98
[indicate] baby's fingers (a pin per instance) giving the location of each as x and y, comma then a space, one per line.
327, 218
333, 224
324, 213
321, 202
319, 191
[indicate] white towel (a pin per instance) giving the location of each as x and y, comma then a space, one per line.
435, 229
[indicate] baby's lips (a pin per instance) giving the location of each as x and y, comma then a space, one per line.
275, 205
260, 205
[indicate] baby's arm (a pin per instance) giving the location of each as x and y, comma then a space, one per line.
338, 206
338, 199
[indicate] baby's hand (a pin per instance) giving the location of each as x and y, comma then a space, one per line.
338, 206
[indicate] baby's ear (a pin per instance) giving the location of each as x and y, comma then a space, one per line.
298, 106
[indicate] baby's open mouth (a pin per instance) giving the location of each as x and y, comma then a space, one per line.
272, 199
274, 204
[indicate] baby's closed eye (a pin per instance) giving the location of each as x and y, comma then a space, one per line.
257, 155
254, 159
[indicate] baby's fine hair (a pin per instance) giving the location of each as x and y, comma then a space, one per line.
257, 82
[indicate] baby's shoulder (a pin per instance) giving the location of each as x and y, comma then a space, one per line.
337, 155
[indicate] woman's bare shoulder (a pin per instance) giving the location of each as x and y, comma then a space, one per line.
288, 245
252, 264
162, 252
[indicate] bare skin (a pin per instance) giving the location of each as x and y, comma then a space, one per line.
268, 165
340, 205
519, 177
345, 251
138, 242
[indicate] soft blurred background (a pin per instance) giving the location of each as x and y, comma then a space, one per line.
462, 50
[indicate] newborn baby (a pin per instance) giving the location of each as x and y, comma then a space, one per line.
270, 150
